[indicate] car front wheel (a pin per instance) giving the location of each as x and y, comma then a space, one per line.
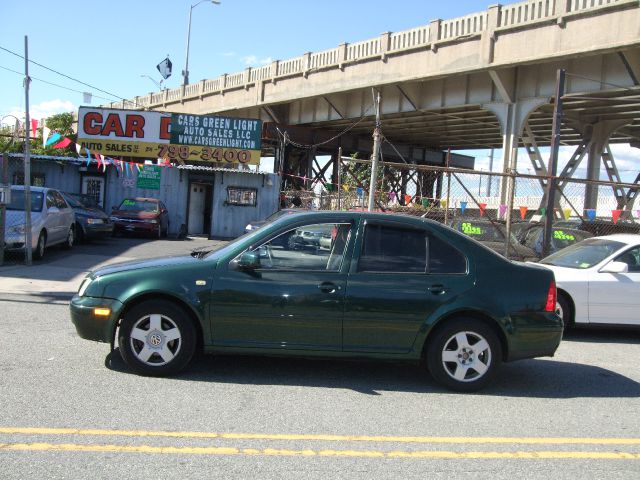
157, 338
464, 355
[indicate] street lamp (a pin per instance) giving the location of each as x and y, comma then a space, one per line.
185, 72
158, 84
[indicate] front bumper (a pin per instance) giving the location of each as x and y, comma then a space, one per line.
98, 230
135, 227
90, 326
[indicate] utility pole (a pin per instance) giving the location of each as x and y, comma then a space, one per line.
27, 155
553, 161
376, 153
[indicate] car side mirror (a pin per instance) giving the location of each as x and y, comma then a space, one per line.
615, 267
249, 261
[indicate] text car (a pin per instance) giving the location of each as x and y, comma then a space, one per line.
141, 215
52, 220
493, 234
530, 234
390, 287
598, 280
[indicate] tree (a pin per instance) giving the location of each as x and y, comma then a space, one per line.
61, 123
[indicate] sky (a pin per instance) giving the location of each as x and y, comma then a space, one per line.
111, 49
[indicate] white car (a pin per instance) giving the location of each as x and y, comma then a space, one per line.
52, 220
598, 280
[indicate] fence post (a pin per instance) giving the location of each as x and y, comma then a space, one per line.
512, 193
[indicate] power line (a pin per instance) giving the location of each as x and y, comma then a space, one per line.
53, 84
66, 76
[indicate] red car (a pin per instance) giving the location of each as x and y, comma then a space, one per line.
141, 215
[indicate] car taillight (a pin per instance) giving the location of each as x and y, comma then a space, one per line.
550, 306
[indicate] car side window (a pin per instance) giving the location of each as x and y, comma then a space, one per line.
60, 202
444, 258
399, 250
393, 250
51, 200
309, 247
631, 258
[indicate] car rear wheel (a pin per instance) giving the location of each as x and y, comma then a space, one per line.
464, 355
157, 338
563, 309
42, 241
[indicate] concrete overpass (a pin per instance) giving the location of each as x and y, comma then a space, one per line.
485, 80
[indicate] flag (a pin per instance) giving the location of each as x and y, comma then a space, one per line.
502, 209
53, 139
482, 207
62, 144
463, 206
523, 212
566, 212
45, 136
616, 215
34, 128
591, 214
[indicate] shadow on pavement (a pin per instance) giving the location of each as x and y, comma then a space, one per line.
527, 378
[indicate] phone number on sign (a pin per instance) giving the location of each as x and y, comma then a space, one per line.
206, 154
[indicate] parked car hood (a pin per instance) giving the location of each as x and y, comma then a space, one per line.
135, 215
90, 212
143, 264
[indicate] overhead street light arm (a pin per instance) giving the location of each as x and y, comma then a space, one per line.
185, 72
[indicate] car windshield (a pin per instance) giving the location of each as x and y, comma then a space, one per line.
130, 205
17, 201
583, 254
73, 203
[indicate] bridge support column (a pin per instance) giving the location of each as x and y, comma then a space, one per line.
596, 136
512, 118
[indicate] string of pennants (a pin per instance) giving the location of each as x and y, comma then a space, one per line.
426, 202
55, 140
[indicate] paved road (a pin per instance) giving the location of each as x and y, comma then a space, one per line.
69, 408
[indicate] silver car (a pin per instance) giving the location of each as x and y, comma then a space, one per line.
52, 220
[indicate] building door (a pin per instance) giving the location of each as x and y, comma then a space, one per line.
94, 187
199, 218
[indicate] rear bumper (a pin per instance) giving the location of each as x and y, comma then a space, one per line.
537, 336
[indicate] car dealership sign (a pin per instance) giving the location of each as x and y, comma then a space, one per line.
178, 137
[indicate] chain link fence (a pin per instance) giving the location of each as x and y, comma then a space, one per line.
506, 212
12, 218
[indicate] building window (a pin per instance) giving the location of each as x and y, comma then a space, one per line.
242, 196
37, 179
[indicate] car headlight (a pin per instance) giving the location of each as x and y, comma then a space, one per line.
248, 228
113, 219
94, 221
83, 286
151, 220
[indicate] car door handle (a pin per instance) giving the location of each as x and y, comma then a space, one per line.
436, 289
329, 287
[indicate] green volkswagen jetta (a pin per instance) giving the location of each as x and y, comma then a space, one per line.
387, 287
